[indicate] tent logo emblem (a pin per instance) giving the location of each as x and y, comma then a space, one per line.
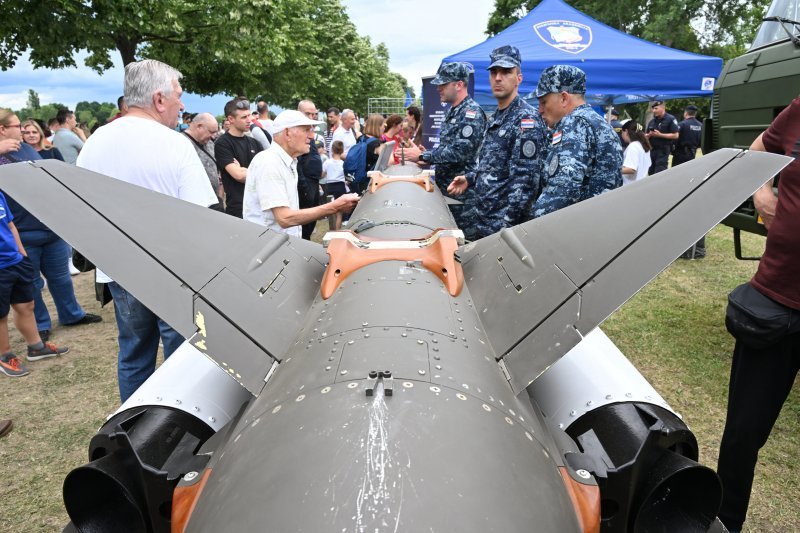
567, 36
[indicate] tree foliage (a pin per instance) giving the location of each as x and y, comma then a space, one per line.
718, 27
284, 49
89, 113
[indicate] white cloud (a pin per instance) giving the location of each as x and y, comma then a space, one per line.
14, 100
420, 33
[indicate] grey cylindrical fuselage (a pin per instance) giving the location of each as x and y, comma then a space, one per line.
451, 449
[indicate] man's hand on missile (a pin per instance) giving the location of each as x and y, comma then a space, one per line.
346, 202
413, 152
458, 185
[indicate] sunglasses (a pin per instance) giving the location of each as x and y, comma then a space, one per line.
242, 104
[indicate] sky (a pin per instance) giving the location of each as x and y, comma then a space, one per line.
418, 34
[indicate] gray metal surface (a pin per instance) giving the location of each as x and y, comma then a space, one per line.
401, 202
424, 459
601, 251
167, 252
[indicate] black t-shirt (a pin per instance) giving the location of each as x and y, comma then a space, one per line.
665, 124
226, 149
373, 144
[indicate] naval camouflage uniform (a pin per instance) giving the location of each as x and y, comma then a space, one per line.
584, 158
459, 139
507, 177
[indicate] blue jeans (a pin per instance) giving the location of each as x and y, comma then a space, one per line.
49, 254
139, 332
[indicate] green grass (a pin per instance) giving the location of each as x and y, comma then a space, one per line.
673, 331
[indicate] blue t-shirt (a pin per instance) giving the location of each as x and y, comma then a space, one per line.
9, 252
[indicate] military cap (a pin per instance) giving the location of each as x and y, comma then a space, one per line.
449, 72
561, 78
657, 102
506, 57
614, 112
691, 108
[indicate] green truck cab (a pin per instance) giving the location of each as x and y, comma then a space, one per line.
752, 89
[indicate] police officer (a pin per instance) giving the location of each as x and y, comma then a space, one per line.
460, 136
585, 156
662, 131
689, 133
506, 178
689, 130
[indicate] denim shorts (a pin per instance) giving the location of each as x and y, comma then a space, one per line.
16, 285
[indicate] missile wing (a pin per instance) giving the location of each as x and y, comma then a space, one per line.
384, 389
540, 287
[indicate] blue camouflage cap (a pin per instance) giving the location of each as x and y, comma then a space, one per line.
506, 57
449, 72
561, 78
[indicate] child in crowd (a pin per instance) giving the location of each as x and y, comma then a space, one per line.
17, 291
333, 171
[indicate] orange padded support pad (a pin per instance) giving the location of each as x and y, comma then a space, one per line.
379, 179
438, 257
585, 500
183, 501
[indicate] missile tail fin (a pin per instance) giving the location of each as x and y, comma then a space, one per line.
589, 258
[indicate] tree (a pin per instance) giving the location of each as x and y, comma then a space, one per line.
33, 100
287, 49
719, 27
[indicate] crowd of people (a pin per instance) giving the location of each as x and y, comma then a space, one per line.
519, 163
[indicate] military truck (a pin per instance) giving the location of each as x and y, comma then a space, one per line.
751, 91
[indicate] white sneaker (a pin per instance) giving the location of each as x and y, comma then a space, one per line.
72, 270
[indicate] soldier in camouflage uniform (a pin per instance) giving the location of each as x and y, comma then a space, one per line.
507, 176
585, 157
461, 134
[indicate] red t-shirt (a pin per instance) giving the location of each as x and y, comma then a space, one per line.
778, 274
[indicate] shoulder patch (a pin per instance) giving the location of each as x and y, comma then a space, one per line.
527, 123
471, 114
529, 149
466, 131
556, 138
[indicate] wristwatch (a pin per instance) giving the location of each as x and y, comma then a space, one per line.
426, 157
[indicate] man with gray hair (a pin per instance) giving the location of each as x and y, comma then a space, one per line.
345, 131
144, 149
201, 132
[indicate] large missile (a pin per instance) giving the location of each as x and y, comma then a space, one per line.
378, 382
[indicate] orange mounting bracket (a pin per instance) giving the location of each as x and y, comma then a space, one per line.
436, 252
378, 179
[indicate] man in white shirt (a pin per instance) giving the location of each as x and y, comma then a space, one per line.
345, 131
270, 191
144, 149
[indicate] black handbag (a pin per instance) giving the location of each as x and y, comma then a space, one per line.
80, 262
759, 321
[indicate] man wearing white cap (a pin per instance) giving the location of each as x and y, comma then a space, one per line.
270, 191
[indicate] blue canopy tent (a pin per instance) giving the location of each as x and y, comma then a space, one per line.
619, 68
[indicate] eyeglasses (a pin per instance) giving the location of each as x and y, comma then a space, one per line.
14, 126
